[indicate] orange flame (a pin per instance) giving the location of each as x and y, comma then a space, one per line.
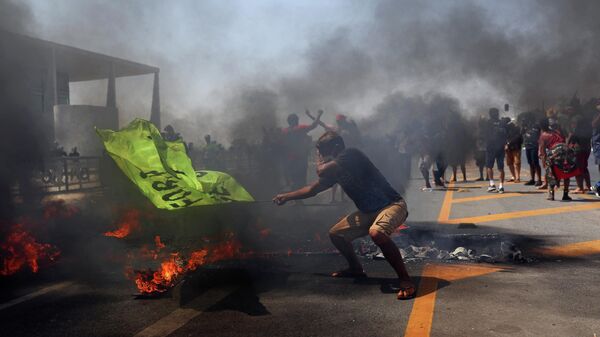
172, 269
21, 249
129, 222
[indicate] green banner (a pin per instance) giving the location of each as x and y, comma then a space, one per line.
163, 171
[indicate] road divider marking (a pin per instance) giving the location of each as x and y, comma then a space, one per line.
446, 204
180, 317
35, 294
421, 316
572, 249
488, 197
524, 214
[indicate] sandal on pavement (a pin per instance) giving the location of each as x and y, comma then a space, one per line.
407, 292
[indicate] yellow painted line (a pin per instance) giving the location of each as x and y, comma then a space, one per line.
488, 197
421, 316
178, 318
446, 204
525, 214
572, 249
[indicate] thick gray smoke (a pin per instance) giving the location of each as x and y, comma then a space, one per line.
483, 53
21, 132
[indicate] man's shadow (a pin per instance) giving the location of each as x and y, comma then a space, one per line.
389, 285
245, 298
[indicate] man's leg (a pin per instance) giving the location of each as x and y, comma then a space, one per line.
489, 164
517, 154
463, 169
347, 250
529, 154
385, 223
500, 162
579, 182
453, 179
424, 166
566, 183
510, 163
587, 179
341, 234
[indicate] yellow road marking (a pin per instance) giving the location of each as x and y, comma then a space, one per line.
446, 204
524, 214
178, 318
421, 316
488, 197
572, 249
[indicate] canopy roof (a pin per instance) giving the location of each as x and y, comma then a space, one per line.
79, 64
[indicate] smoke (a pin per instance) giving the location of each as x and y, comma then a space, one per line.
15, 16
21, 132
343, 57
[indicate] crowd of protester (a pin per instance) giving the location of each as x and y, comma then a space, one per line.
557, 143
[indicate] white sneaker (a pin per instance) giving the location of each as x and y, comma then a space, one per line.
492, 188
501, 190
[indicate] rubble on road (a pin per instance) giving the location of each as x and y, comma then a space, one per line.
506, 252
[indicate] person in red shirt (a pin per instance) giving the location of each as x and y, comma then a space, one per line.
554, 151
297, 144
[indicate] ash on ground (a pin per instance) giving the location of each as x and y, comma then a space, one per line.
502, 252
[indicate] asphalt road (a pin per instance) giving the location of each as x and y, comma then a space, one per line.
556, 293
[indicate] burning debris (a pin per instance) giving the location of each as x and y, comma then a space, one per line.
21, 250
174, 268
176, 264
129, 222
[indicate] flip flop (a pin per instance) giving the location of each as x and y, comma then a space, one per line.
348, 273
410, 295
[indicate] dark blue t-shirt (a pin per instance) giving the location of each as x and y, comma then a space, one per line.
361, 181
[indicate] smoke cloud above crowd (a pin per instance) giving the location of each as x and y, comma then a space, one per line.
344, 56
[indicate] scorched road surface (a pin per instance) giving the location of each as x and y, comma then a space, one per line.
555, 293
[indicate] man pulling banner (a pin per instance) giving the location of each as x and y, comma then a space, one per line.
163, 172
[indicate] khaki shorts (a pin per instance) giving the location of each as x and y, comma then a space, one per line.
359, 224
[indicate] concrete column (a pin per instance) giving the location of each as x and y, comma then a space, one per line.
111, 93
111, 98
50, 96
155, 109
52, 76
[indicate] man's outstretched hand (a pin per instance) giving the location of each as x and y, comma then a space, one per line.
280, 199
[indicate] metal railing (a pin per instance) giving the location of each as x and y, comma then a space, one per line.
64, 174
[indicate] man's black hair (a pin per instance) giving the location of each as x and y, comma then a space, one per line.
293, 119
329, 142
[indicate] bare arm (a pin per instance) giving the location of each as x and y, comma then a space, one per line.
316, 121
303, 193
323, 125
328, 168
